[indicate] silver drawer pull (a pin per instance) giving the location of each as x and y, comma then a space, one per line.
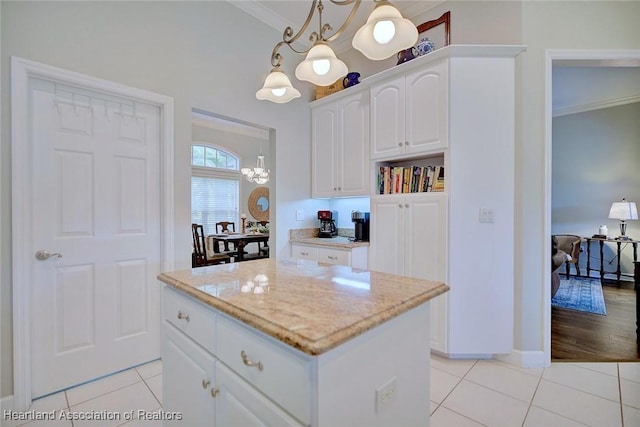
247, 362
205, 384
304, 253
182, 316
332, 257
214, 392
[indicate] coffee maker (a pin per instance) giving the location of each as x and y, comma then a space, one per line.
361, 220
328, 220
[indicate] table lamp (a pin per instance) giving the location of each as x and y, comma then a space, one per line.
623, 211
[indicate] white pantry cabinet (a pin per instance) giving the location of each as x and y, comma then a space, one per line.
408, 236
456, 104
409, 113
340, 146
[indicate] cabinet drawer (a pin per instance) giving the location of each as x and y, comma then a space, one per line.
191, 317
283, 374
304, 252
334, 256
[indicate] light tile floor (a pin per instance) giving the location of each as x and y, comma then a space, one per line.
463, 393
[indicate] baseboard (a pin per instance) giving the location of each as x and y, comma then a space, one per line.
6, 403
524, 359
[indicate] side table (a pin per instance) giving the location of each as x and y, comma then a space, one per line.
619, 246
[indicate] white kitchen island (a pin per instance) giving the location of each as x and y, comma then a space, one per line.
295, 343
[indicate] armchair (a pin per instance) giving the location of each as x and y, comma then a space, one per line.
570, 244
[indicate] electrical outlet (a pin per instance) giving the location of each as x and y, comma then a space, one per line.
299, 215
385, 394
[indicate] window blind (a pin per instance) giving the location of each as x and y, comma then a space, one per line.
214, 199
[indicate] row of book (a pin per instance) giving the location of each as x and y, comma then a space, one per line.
410, 179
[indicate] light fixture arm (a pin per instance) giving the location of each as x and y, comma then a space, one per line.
288, 36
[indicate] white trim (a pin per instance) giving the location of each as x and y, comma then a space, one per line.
604, 58
21, 71
6, 404
574, 109
525, 359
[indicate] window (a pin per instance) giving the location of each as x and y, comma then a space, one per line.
215, 186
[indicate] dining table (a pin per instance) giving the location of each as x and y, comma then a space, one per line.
240, 241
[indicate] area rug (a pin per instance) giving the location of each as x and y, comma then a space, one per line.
580, 294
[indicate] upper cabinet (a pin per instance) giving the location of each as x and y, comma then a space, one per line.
409, 113
340, 147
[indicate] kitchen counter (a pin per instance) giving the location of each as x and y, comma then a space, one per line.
335, 242
310, 306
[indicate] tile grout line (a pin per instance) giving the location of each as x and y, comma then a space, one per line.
533, 396
620, 394
149, 388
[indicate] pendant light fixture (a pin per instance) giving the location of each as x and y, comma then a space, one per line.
277, 88
259, 174
385, 33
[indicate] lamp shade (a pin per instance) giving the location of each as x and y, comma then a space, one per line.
321, 67
623, 210
277, 88
385, 33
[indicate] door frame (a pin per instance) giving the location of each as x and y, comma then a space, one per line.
22, 285
581, 57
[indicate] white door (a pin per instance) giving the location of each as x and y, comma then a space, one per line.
96, 201
353, 155
387, 228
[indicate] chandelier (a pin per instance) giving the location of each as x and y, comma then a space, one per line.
384, 34
259, 174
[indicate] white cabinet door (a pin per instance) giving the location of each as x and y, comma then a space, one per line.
386, 252
238, 404
427, 112
353, 153
388, 118
425, 244
188, 379
324, 123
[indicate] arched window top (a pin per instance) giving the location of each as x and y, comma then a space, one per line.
213, 157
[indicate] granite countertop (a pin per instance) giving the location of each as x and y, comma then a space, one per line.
335, 242
309, 236
313, 307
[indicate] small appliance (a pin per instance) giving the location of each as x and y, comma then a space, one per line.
328, 220
361, 220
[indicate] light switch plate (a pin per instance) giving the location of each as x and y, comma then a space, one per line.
487, 215
299, 215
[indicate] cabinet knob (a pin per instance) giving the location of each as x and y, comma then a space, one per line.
206, 384
247, 362
214, 392
406, 143
399, 144
182, 316
406, 205
399, 205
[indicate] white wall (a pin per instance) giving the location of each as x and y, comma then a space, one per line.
196, 52
594, 163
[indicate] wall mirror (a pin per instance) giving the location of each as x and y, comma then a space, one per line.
258, 204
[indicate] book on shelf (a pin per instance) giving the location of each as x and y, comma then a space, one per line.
410, 179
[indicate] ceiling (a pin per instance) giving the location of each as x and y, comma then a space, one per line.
279, 14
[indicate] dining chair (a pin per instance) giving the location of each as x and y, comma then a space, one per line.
199, 257
227, 226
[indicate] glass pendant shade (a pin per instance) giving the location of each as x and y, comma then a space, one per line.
385, 33
277, 88
321, 67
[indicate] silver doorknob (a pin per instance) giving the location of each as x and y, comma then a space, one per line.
43, 255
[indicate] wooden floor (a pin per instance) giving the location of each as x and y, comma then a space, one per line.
577, 336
